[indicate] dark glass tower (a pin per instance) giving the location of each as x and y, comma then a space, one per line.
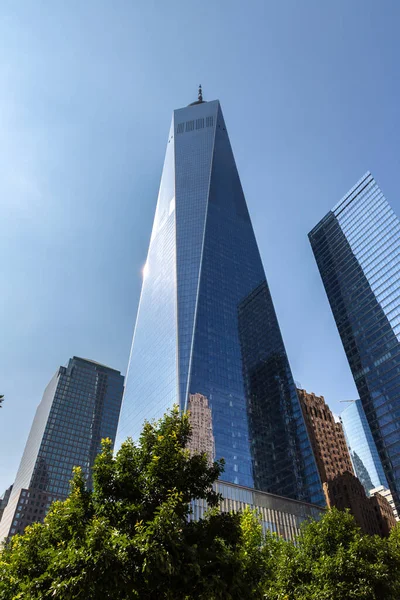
357, 249
80, 407
206, 322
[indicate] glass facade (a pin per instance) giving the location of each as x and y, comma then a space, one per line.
206, 322
79, 408
357, 249
364, 455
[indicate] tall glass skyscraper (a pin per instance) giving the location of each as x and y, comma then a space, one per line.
206, 323
364, 455
80, 407
357, 249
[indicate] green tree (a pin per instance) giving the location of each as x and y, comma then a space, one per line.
334, 560
131, 537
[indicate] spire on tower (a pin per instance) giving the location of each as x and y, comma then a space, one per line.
199, 97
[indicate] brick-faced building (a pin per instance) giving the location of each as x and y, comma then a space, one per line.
374, 515
327, 437
341, 487
383, 508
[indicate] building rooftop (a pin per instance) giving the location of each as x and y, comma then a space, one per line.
94, 362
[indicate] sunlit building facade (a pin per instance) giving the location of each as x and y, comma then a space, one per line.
357, 249
206, 323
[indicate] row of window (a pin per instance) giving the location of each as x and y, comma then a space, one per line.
195, 124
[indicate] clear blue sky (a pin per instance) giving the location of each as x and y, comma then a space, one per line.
310, 93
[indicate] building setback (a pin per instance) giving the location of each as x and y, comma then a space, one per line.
357, 249
80, 407
206, 323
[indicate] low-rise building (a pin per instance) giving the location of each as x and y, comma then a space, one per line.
341, 487
373, 515
386, 493
282, 516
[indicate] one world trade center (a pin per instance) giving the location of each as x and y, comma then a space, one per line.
206, 324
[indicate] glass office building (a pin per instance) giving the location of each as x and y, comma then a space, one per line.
357, 249
80, 407
206, 322
364, 455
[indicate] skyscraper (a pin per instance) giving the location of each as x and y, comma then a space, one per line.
80, 407
206, 323
357, 249
327, 437
364, 455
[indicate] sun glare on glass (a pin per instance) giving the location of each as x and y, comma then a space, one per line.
145, 271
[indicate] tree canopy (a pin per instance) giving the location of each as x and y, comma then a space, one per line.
131, 537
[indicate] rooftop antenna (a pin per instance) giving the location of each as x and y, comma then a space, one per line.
200, 95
